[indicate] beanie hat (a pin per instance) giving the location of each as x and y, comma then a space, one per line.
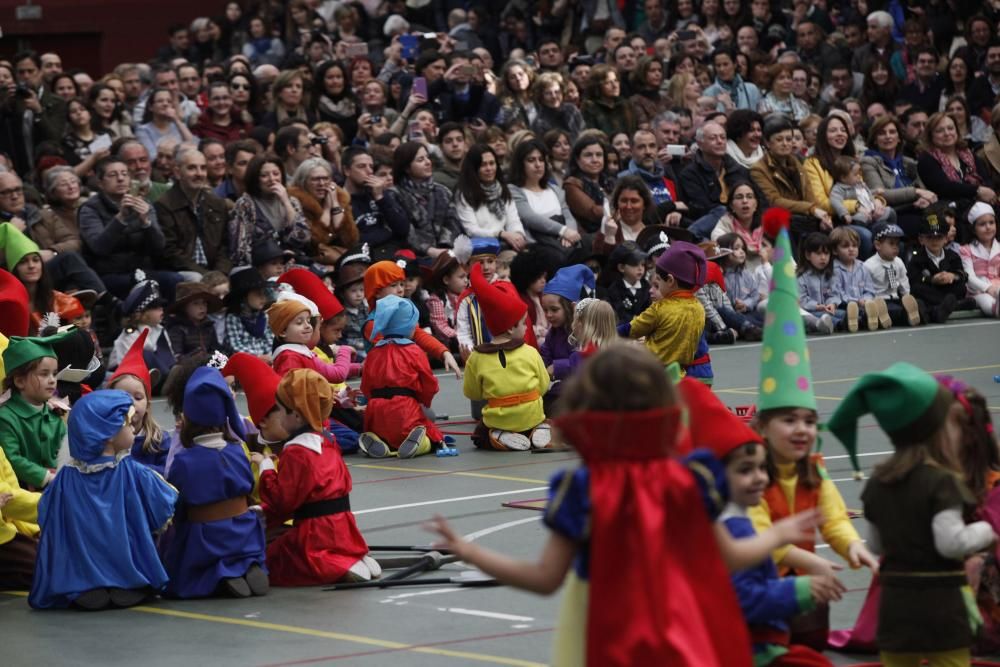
502, 307
208, 401
309, 285
978, 210
259, 382
133, 363
15, 313
379, 275
684, 261
281, 313
96, 418
308, 393
394, 321
15, 245
572, 282
712, 424
907, 402
785, 374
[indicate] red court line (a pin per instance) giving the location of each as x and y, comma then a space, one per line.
444, 472
450, 642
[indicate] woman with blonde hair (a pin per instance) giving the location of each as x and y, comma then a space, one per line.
683, 92
327, 208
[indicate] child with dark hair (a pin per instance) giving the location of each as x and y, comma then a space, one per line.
936, 274
189, 326
246, 327
815, 279
723, 323
625, 284
852, 202
142, 310
529, 272
447, 283
852, 283
351, 292
741, 284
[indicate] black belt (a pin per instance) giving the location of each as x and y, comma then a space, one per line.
923, 580
323, 508
393, 392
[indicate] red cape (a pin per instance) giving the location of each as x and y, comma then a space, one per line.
659, 591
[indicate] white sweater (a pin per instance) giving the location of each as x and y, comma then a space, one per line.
481, 223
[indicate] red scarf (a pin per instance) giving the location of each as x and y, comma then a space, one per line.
968, 161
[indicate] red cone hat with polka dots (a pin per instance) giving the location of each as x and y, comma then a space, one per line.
785, 375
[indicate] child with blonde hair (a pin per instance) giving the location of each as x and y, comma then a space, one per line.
151, 445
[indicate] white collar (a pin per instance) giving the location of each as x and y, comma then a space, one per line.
297, 348
311, 441
732, 511
211, 440
633, 286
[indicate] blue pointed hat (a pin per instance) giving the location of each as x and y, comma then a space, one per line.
94, 420
208, 401
570, 282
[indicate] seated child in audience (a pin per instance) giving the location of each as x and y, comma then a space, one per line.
100, 514
217, 543
626, 287
351, 292
246, 328
269, 260
889, 278
151, 444
981, 259
447, 283
31, 432
398, 382
559, 298
508, 375
723, 324
142, 310
815, 281
853, 203
852, 284
413, 287
189, 326
311, 485
741, 285
293, 322
935, 272
218, 283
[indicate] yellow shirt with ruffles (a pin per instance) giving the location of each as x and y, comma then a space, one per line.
20, 515
523, 372
672, 327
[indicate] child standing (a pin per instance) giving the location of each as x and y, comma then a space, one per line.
312, 486
447, 283
507, 374
981, 259
100, 513
189, 326
143, 309
889, 277
151, 444
815, 278
246, 317
626, 288
914, 503
31, 432
852, 202
399, 384
935, 272
852, 283
217, 545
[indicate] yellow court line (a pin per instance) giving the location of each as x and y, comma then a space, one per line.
326, 634
755, 388
461, 473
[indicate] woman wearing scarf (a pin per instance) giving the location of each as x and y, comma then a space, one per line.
743, 127
482, 201
886, 169
433, 221
588, 185
335, 103
948, 167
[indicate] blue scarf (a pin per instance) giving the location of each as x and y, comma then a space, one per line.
896, 165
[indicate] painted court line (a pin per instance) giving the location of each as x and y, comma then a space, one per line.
471, 537
487, 614
450, 500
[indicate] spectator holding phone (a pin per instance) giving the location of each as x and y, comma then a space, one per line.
459, 95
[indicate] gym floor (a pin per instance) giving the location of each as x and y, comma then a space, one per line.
449, 625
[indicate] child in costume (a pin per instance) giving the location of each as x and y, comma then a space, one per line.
189, 326
312, 486
151, 444
787, 419
351, 292
471, 327
143, 309
559, 299
506, 373
100, 514
31, 432
246, 316
296, 333
767, 601
594, 328
981, 259
889, 278
399, 384
853, 285
914, 503
217, 544
936, 275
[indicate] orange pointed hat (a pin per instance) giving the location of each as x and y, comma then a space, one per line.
133, 363
309, 285
259, 382
501, 305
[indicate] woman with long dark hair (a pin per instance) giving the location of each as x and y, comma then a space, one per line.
434, 225
483, 202
334, 101
880, 85
107, 113
541, 204
289, 100
79, 136
266, 211
588, 185
243, 88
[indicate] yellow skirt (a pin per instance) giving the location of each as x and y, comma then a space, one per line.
569, 645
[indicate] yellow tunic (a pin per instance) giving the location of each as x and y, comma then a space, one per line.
20, 515
672, 327
486, 378
836, 528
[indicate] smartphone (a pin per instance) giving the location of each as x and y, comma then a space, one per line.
134, 187
469, 70
411, 46
413, 130
420, 86
685, 35
676, 149
356, 50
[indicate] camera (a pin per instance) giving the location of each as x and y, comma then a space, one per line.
319, 140
376, 119
22, 90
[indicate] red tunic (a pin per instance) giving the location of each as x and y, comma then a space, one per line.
401, 367
317, 550
291, 356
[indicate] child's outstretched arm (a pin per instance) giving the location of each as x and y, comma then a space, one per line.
543, 577
740, 554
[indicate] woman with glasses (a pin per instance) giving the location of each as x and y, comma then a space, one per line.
243, 89
327, 209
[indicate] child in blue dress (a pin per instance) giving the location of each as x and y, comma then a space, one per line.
217, 545
100, 514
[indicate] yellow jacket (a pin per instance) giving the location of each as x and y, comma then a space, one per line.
818, 182
523, 371
672, 327
836, 528
20, 515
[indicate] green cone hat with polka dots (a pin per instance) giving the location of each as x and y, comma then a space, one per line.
785, 375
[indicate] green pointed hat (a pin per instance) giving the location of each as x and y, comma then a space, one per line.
907, 402
785, 375
15, 245
22, 350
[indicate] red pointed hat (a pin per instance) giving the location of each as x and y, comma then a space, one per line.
133, 363
711, 424
309, 285
259, 382
502, 307
15, 313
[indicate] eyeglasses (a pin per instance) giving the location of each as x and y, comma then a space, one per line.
240, 86
11, 192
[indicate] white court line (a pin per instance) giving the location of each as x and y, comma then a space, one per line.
450, 500
845, 456
487, 614
471, 537
435, 591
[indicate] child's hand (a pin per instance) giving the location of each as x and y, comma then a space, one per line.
452, 365
450, 540
826, 588
799, 527
256, 458
740, 306
5, 498
858, 555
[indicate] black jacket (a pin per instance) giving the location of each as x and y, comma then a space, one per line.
701, 188
626, 304
181, 227
113, 246
448, 106
921, 269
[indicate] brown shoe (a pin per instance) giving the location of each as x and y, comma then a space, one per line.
871, 315
852, 317
912, 310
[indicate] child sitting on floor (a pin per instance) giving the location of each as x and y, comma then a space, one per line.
293, 322
100, 514
189, 326
935, 272
815, 283
889, 277
151, 445
559, 299
741, 284
852, 284
351, 292
981, 259
246, 319
626, 287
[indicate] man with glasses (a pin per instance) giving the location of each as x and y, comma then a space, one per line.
925, 90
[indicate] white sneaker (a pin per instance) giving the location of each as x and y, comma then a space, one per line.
509, 440
356, 573
373, 446
541, 437
824, 325
373, 566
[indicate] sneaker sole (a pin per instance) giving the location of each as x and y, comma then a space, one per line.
511, 441
541, 437
852, 318
372, 447
408, 448
872, 316
236, 587
912, 310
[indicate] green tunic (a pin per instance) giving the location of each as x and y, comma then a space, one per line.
923, 608
30, 437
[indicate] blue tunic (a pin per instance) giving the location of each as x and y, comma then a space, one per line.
198, 556
97, 523
157, 459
